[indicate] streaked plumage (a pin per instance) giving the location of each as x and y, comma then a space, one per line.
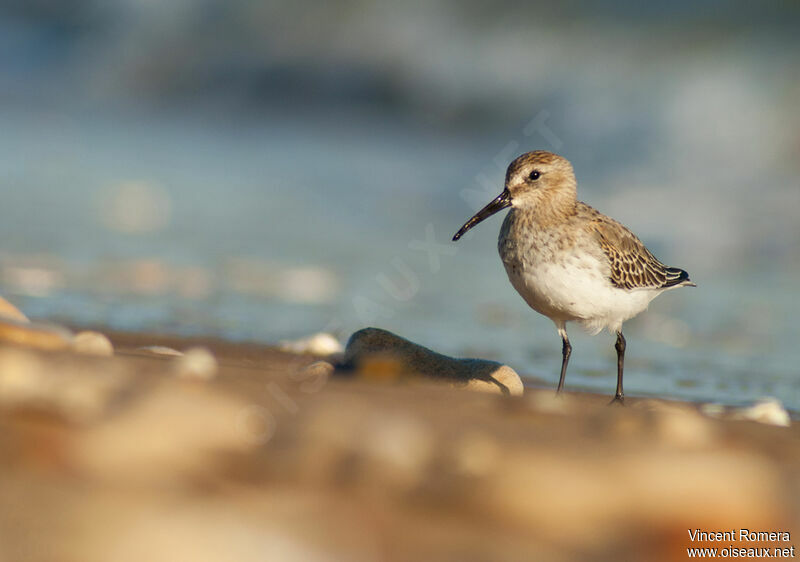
569, 261
632, 264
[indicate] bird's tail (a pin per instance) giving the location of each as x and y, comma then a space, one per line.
678, 278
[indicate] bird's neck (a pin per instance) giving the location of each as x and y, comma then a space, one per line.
553, 210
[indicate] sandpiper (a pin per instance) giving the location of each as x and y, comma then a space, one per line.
567, 260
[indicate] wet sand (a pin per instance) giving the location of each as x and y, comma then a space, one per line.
138, 456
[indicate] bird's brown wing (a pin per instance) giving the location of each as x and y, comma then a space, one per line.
633, 266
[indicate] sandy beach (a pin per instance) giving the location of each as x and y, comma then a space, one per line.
263, 454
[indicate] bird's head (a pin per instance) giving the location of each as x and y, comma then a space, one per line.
531, 180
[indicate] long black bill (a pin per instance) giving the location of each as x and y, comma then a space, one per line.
501, 202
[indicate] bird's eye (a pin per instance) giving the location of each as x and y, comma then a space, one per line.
534, 175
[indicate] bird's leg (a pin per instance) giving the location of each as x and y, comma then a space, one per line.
620, 347
566, 350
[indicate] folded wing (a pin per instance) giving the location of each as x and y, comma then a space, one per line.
633, 266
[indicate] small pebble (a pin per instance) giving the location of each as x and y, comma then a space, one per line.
197, 363
93, 343
322, 344
40, 336
160, 350
766, 410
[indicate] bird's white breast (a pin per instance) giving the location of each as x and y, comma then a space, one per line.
566, 280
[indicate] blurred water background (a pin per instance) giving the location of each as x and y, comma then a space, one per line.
266, 170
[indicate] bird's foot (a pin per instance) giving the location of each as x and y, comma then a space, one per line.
618, 400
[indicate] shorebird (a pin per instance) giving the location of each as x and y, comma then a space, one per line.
568, 261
